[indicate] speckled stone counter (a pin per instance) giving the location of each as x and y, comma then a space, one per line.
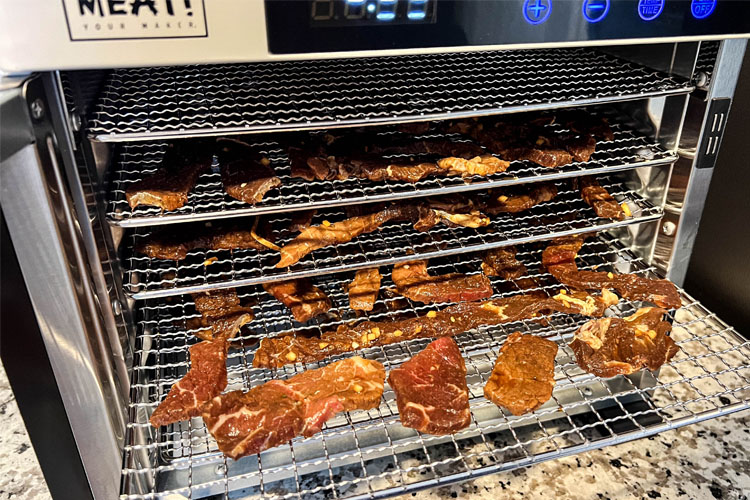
20, 475
706, 460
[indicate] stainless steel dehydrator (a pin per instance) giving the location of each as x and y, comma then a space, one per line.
93, 92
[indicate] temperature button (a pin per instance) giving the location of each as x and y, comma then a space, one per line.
595, 10
537, 11
650, 9
701, 9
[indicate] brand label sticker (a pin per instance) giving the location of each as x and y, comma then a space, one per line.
135, 19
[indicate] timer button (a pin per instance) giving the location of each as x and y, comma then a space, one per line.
537, 11
595, 10
701, 9
650, 9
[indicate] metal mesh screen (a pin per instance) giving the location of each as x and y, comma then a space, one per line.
370, 455
151, 103
394, 242
629, 149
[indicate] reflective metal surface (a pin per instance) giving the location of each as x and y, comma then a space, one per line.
689, 185
45, 235
154, 103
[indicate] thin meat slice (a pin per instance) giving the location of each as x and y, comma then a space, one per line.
176, 243
381, 169
413, 281
275, 352
620, 346
246, 175
315, 237
482, 165
456, 211
519, 198
169, 186
305, 300
431, 391
205, 380
523, 377
502, 262
598, 198
559, 259
222, 316
363, 290
275, 412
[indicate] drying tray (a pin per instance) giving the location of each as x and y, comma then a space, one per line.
368, 454
394, 242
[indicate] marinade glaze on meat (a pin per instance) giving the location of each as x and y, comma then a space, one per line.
620, 346
275, 352
559, 259
523, 377
431, 391
245, 423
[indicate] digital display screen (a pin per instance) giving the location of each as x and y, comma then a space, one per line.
371, 12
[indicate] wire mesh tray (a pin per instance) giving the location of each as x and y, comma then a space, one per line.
394, 242
370, 455
151, 103
629, 149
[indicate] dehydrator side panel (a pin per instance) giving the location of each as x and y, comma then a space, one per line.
698, 148
40, 214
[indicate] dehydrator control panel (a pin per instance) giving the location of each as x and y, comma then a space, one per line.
296, 26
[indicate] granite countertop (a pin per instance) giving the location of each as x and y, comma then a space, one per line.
706, 460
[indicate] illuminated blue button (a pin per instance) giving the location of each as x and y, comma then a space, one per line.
595, 10
537, 11
650, 9
701, 9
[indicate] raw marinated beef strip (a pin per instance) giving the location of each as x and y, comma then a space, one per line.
414, 282
305, 300
620, 346
519, 198
363, 290
431, 391
221, 315
275, 352
598, 198
246, 175
523, 377
176, 243
559, 259
169, 186
275, 412
206, 379
502, 262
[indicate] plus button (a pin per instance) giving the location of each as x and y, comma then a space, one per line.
537, 11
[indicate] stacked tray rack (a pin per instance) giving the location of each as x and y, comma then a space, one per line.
369, 454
